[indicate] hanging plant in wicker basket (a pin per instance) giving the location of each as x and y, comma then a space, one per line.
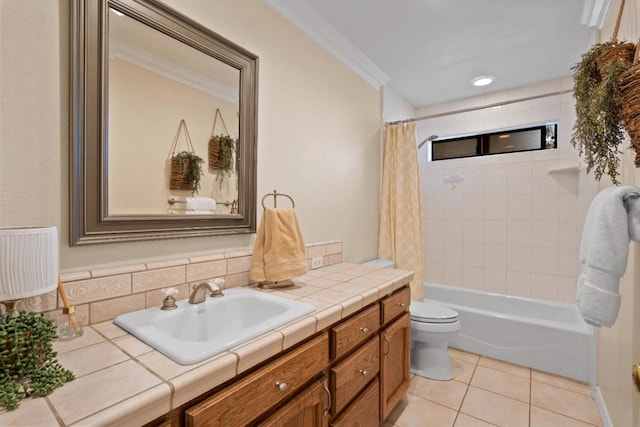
186, 166
629, 87
222, 148
598, 130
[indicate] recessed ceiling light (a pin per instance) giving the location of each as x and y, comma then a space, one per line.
482, 80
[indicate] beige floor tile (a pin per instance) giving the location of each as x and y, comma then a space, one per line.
509, 368
543, 418
561, 382
463, 355
502, 383
414, 411
465, 420
565, 402
494, 408
462, 370
92, 358
446, 393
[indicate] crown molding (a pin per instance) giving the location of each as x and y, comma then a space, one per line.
594, 12
303, 16
178, 73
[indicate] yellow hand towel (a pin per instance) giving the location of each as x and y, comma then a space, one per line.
279, 252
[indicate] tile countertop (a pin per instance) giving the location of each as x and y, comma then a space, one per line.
121, 380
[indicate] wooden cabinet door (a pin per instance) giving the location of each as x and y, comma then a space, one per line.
309, 409
395, 363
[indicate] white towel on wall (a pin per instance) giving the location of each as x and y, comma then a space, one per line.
200, 204
613, 218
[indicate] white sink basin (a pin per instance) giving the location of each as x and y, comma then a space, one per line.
193, 332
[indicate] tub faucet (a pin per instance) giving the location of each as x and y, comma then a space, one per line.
199, 292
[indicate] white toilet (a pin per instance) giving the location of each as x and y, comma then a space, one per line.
433, 327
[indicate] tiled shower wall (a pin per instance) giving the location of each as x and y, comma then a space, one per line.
104, 293
513, 226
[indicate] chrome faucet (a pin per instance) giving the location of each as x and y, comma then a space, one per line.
199, 292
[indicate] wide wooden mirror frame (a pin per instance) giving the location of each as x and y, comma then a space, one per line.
90, 221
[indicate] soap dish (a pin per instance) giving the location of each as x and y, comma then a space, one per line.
276, 285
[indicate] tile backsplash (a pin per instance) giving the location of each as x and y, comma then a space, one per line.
102, 294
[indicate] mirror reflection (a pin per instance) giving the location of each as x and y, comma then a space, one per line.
168, 100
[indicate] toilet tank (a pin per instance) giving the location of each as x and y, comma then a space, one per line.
382, 263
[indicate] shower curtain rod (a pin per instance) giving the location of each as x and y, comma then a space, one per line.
467, 110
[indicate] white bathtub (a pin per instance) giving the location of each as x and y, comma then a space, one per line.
548, 336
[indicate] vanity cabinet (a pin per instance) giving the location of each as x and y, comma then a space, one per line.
242, 402
351, 374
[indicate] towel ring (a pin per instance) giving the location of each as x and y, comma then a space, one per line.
275, 194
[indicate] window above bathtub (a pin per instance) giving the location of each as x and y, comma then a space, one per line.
538, 137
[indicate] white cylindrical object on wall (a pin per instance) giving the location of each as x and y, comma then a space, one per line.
28, 261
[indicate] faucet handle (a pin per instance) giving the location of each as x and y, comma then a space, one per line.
219, 281
216, 286
170, 292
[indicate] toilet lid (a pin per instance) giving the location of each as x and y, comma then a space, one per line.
431, 312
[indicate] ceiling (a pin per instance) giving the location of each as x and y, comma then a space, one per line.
428, 51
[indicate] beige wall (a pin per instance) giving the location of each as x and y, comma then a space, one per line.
318, 132
145, 110
619, 346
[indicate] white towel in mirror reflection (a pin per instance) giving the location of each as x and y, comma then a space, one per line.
200, 205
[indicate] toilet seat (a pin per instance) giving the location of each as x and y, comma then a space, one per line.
429, 312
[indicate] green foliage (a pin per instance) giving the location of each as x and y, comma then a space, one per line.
192, 165
598, 129
226, 164
28, 365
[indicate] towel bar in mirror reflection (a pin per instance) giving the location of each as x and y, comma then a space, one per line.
275, 196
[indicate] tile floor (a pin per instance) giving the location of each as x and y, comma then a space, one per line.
487, 392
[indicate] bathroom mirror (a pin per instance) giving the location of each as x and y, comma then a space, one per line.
140, 70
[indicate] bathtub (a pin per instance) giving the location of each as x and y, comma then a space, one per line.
547, 336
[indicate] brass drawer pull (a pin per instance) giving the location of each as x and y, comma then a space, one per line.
281, 386
363, 372
401, 304
364, 329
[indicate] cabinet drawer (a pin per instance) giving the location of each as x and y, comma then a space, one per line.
352, 374
363, 411
395, 304
352, 332
242, 402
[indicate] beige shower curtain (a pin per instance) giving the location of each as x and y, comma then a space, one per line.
401, 225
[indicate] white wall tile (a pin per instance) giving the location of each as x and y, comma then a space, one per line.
473, 183
453, 253
453, 205
495, 182
519, 181
495, 257
519, 284
544, 234
541, 180
544, 260
519, 233
434, 272
453, 230
472, 277
473, 231
452, 275
495, 232
569, 265
519, 207
433, 229
567, 207
544, 286
434, 251
519, 258
473, 207
568, 236
495, 207
495, 280
545, 207
568, 183
473, 254
567, 289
